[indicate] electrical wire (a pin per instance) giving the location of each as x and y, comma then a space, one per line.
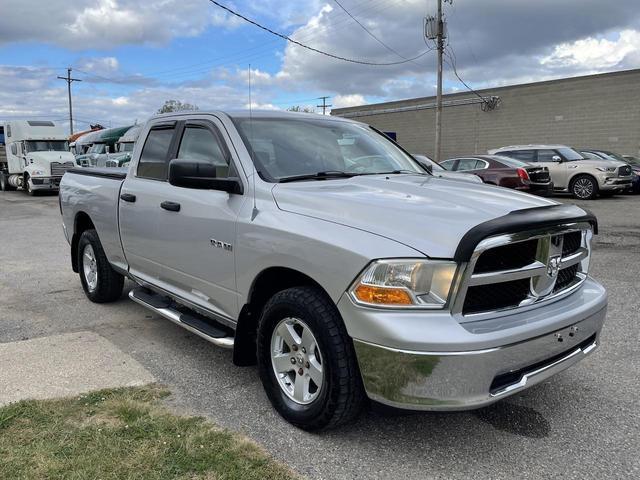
321, 52
487, 104
371, 34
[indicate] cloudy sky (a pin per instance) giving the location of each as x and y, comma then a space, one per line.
133, 55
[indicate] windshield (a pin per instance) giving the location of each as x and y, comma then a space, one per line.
288, 148
569, 154
616, 156
46, 146
632, 160
125, 147
97, 148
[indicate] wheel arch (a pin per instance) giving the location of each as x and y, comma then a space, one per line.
81, 223
578, 175
266, 284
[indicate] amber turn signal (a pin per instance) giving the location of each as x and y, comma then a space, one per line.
382, 295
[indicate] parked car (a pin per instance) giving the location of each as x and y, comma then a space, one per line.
613, 157
572, 172
439, 171
504, 172
634, 162
319, 249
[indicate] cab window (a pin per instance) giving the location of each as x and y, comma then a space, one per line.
202, 144
155, 154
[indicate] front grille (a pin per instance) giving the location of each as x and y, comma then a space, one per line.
515, 255
624, 171
566, 277
524, 270
58, 169
539, 175
496, 296
571, 243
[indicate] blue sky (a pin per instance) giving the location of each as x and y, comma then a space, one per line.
132, 59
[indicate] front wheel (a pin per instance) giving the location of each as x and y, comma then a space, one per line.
101, 283
584, 187
306, 360
28, 186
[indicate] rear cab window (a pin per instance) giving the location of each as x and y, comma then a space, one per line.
154, 158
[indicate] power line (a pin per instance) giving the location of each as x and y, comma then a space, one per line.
371, 34
487, 104
295, 42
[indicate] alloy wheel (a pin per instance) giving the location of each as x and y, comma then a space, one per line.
297, 360
90, 268
583, 188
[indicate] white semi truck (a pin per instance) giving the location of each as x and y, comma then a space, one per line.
37, 155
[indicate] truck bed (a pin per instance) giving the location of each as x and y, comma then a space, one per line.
95, 192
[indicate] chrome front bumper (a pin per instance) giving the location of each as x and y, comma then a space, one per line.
462, 380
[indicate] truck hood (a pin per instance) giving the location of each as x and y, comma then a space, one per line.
44, 159
426, 213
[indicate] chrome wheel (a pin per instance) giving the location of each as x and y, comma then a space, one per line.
296, 360
583, 188
90, 268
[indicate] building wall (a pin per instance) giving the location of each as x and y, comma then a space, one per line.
596, 111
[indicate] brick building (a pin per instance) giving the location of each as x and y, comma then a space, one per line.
594, 111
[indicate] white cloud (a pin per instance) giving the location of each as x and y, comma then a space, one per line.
340, 101
593, 52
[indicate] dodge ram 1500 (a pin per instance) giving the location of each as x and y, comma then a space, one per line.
319, 249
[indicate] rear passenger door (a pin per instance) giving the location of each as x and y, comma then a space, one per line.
195, 244
139, 208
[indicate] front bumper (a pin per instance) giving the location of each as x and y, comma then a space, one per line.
466, 378
615, 183
45, 183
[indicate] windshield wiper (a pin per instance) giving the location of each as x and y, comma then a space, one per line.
318, 176
396, 172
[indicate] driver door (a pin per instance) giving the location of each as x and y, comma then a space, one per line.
558, 168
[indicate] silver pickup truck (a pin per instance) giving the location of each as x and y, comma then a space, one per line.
320, 250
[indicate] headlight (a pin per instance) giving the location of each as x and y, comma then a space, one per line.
405, 283
37, 172
606, 169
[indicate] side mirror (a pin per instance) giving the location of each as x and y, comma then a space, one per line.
200, 175
556, 158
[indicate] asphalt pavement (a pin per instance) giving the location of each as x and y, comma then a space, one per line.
583, 423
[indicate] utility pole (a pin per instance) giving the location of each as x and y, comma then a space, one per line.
69, 80
324, 105
440, 46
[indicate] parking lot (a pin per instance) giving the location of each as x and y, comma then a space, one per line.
583, 423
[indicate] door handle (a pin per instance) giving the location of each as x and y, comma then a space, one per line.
128, 197
171, 206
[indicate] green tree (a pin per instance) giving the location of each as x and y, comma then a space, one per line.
176, 106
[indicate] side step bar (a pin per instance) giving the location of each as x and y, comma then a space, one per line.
192, 322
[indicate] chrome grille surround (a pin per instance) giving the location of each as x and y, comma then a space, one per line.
542, 273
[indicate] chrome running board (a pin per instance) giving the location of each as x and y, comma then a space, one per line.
192, 322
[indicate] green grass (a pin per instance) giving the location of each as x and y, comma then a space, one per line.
123, 434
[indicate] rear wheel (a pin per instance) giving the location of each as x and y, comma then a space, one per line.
101, 283
584, 187
306, 360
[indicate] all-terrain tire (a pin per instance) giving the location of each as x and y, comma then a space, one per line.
341, 397
109, 282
